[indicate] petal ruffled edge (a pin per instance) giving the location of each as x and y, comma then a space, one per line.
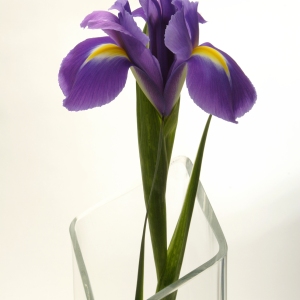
192, 18
177, 37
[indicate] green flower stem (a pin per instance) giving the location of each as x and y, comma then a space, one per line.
178, 243
156, 138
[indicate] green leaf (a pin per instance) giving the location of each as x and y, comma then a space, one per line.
170, 125
156, 138
139, 293
154, 167
178, 243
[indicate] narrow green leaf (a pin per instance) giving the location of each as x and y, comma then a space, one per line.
178, 243
139, 293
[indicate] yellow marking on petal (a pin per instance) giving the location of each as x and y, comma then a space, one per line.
107, 50
213, 55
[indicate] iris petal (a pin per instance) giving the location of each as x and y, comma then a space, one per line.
173, 87
177, 37
112, 25
125, 32
153, 92
73, 61
121, 4
167, 9
93, 74
91, 19
201, 19
192, 18
158, 14
218, 85
242, 90
128, 23
139, 12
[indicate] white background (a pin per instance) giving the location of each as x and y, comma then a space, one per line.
54, 164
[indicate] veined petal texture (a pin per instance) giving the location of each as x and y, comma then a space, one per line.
93, 73
218, 85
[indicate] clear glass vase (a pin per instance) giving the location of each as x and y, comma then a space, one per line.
106, 241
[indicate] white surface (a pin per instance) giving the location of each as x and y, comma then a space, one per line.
55, 164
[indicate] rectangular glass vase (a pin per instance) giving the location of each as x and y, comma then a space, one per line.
106, 241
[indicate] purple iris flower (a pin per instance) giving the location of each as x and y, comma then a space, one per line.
95, 71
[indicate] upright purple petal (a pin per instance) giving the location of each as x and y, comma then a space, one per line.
191, 18
135, 47
151, 9
104, 16
218, 85
121, 4
167, 8
93, 74
177, 37
111, 24
139, 12
106, 21
157, 23
152, 12
127, 22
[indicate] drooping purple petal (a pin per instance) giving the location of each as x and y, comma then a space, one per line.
177, 37
243, 91
218, 85
125, 32
93, 76
74, 60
